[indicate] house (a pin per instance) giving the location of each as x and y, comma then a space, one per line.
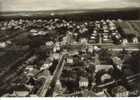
104, 67
83, 82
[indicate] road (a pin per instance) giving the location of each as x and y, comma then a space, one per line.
129, 79
130, 46
48, 88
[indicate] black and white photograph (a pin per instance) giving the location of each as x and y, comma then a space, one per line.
69, 48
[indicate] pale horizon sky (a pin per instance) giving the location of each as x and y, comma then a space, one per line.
35, 5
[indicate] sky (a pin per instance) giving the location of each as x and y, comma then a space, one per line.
35, 5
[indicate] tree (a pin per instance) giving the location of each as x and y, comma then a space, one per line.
133, 62
105, 56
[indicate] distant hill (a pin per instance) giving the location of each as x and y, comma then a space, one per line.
63, 12
82, 14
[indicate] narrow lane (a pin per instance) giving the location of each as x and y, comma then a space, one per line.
48, 88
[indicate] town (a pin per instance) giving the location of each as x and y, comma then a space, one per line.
66, 57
